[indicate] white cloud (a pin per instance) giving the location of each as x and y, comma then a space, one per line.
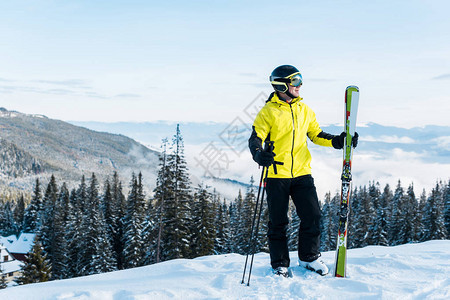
442, 142
389, 139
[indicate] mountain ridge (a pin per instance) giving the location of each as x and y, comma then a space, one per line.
35, 145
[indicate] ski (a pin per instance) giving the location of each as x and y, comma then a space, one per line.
351, 108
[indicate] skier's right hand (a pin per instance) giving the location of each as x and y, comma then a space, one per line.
264, 158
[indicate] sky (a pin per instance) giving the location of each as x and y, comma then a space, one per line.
141, 61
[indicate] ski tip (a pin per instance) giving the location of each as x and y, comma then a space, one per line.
353, 87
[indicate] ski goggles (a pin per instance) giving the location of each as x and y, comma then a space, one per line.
280, 84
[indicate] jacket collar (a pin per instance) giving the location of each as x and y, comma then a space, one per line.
274, 98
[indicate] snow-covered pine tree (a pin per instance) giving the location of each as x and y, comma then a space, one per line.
329, 222
177, 208
222, 243
73, 232
246, 220
112, 213
37, 267
46, 229
396, 218
8, 225
150, 234
371, 200
421, 211
433, 219
60, 260
447, 209
236, 239
133, 222
264, 227
96, 253
203, 232
18, 212
380, 226
119, 202
32, 211
3, 284
409, 217
162, 191
356, 230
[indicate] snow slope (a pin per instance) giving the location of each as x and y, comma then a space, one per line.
412, 271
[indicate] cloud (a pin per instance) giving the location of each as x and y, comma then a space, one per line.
6, 80
442, 77
248, 74
389, 139
259, 85
442, 142
79, 83
321, 79
128, 95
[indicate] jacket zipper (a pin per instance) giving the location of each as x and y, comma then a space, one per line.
293, 139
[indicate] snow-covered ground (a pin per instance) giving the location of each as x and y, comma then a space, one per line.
412, 271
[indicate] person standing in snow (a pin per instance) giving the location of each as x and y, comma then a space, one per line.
287, 121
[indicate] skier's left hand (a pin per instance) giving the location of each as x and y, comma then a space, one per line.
355, 140
338, 140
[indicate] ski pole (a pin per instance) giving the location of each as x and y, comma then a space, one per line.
253, 222
257, 227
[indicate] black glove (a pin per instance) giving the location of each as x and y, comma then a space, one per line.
264, 158
338, 140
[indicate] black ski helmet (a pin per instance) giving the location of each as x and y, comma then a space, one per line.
281, 77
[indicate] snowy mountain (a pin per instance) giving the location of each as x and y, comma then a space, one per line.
411, 271
35, 146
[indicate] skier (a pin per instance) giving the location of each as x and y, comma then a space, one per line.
287, 122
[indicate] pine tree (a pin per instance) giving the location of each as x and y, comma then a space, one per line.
264, 227
46, 230
357, 230
73, 234
409, 214
118, 205
371, 207
397, 208
3, 284
96, 252
380, 228
203, 232
433, 219
329, 222
163, 190
36, 267
223, 228
421, 211
177, 208
60, 250
447, 209
236, 239
19, 212
8, 225
32, 211
111, 210
133, 223
246, 221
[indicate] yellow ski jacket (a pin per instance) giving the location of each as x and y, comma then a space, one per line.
287, 125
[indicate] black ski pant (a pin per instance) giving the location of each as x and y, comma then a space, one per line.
303, 193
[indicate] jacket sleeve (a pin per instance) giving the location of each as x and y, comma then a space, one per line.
316, 134
260, 131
